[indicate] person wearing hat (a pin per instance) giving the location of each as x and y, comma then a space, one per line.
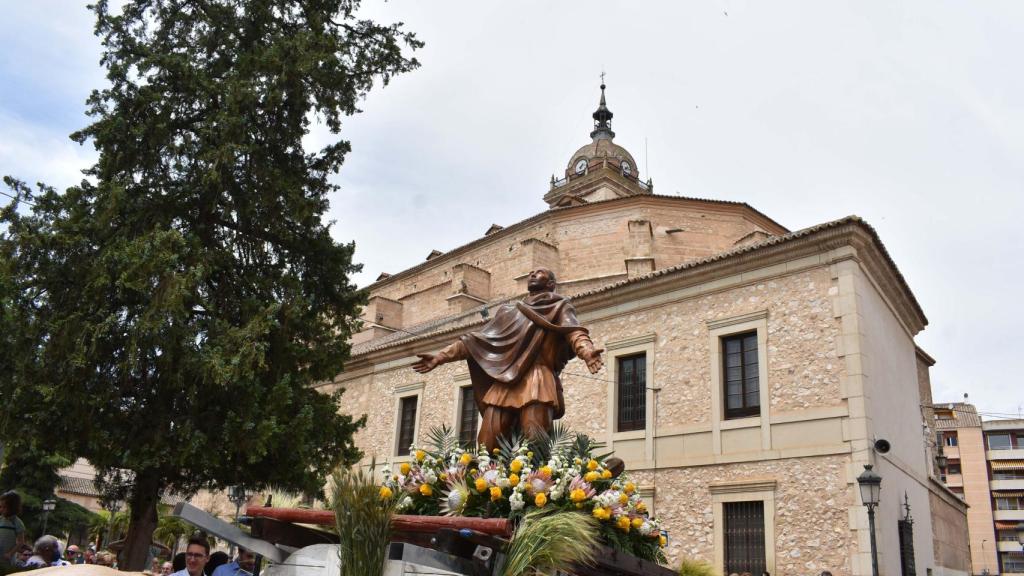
46, 553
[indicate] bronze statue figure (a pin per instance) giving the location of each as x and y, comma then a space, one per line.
516, 358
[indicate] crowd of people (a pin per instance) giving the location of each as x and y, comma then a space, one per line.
17, 554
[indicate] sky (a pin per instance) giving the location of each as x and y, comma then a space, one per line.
908, 114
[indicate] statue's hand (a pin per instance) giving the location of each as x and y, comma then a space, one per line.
427, 363
592, 356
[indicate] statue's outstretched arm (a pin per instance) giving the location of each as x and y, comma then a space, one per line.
454, 351
584, 347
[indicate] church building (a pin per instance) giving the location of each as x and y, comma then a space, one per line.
750, 370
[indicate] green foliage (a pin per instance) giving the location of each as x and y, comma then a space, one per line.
179, 305
169, 529
363, 521
30, 468
545, 542
442, 442
690, 567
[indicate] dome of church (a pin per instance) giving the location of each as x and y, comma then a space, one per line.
600, 149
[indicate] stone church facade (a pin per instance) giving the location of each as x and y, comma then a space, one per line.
748, 368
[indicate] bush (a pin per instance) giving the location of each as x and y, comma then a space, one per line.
691, 567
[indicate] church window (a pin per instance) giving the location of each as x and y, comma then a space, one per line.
632, 393
407, 424
744, 537
740, 367
467, 418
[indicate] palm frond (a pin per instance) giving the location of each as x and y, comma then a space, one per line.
559, 440
545, 542
583, 445
443, 441
363, 520
509, 446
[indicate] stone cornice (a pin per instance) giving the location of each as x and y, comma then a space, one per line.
822, 239
742, 486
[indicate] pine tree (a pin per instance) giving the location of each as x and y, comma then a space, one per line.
168, 317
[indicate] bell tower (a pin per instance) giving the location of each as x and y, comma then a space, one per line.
600, 170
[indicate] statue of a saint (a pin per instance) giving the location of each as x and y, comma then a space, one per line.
515, 360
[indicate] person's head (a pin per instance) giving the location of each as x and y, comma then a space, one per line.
71, 555
826, 573
89, 555
178, 562
246, 559
47, 548
10, 504
541, 280
197, 553
217, 559
24, 553
166, 569
105, 558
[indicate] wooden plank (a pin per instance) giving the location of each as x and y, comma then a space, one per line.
277, 532
407, 523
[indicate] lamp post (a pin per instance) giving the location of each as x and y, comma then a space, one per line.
238, 496
48, 505
870, 486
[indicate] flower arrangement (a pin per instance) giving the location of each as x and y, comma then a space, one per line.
558, 473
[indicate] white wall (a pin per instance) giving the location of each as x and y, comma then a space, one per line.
893, 408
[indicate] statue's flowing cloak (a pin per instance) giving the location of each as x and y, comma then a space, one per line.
517, 357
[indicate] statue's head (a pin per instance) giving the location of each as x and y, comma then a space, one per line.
541, 280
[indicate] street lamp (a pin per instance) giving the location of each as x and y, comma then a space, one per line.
238, 496
48, 505
870, 486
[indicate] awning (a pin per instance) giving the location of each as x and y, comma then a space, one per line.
1007, 464
1007, 494
1000, 525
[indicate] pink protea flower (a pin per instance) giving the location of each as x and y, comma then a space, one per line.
538, 482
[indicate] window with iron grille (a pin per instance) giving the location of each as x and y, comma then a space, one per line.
744, 537
905, 528
632, 393
467, 418
406, 424
742, 388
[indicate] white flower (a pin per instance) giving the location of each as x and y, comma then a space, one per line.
516, 501
405, 502
430, 476
556, 494
503, 482
484, 460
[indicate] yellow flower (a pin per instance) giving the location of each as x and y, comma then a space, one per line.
426, 490
630, 488
591, 476
606, 474
540, 500
420, 455
495, 493
443, 476
480, 484
395, 477
465, 459
641, 507
577, 461
404, 468
623, 523
385, 493
602, 513
638, 522
513, 480
577, 495
623, 498
496, 451
592, 464
529, 454
662, 541
546, 470
516, 466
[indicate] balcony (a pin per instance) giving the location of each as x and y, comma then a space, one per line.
1008, 515
1008, 454
951, 452
1006, 484
954, 480
1009, 546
